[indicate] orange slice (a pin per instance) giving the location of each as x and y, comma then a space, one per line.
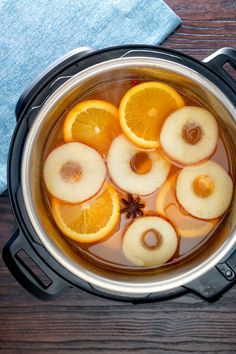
143, 110
92, 122
185, 224
90, 221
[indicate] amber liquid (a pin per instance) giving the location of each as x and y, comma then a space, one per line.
108, 252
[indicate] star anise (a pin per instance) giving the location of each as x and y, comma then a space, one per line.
133, 207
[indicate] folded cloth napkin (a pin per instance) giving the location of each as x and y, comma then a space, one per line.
35, 33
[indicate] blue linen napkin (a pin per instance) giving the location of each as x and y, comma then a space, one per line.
35, 33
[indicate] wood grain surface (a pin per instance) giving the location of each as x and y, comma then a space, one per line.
78, 322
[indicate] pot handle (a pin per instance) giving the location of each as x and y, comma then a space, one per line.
14, 253
217, 281
217, 60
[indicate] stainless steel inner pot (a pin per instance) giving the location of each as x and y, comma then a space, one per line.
53, 108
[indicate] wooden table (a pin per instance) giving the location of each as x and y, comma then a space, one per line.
80, 323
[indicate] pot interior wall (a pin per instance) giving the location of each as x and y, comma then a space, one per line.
54, 108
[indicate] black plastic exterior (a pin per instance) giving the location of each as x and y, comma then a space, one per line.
217, 61
25, 276
217, 281
210, 286
49, 74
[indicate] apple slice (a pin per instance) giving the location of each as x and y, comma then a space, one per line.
150, 241
205, 191
189, 135
74, 172
185, 224
135, 170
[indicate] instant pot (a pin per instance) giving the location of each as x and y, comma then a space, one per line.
210, 274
